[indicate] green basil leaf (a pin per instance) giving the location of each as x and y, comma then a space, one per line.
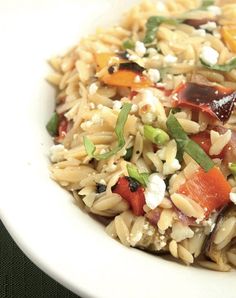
223, 67
206, 3
52, 125
128, 44
129, 153
89, 146
152, 26
185, 144
133, 172
119, 131
232, 167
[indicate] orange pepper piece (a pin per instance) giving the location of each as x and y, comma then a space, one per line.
229, 36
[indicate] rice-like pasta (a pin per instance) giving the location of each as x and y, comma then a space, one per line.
145, 129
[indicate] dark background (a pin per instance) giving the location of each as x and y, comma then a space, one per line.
20, 278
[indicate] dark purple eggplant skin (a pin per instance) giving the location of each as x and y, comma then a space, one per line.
223, 213
196, 23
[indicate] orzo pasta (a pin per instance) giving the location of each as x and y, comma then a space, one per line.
145, 129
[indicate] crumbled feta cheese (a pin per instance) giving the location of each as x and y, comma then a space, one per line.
140, 48
200, 32
93, 88
87, 124
154, 75
209, 26
97, 119
216, 10
216, 33
102, 181
137, 79
148, 98
117, 104
134, 108
209, 55
100, 106
151, 52
169, 59
155, 191
171, 168
57, 153
232, 197
92, 106
148, 118
160, 6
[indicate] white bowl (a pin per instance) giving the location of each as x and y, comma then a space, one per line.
42, 218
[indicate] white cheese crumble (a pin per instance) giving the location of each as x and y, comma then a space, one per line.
137, 79
155, 191
209, 26
232, 197
171, 168
93, 88
209, 55
148, 99
57, 153
216, 10
169, 59
117, 104
134, 108
154, 75
200, 32
140, 48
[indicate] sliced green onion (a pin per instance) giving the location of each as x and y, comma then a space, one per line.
133, 172
52, 126
185, 144
129, 153
232, 167
119, 131
156, 135
221, 67
128, 44
153, 24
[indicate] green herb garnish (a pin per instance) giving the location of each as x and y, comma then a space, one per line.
223, 67
152, 26
206, 3
133, 172
119, 131
128, 44
156, 135
185, 144
129, 153
232, 167
52, 126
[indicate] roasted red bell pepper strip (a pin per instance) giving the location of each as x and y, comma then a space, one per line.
130, 190
217, 101
62, 129
210, 190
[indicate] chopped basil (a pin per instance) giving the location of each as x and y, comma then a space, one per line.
206, 3
128, 44
223, 67
155, 135
185, 144
133, 172
152, 26
129, 153
119, 131
52, 126
232, 167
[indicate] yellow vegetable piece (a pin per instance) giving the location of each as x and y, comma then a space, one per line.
120, 78
229, 36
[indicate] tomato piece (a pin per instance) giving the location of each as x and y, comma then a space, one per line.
130, 190
62, 129
203, 139
217, 101
209, 189
229, 36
